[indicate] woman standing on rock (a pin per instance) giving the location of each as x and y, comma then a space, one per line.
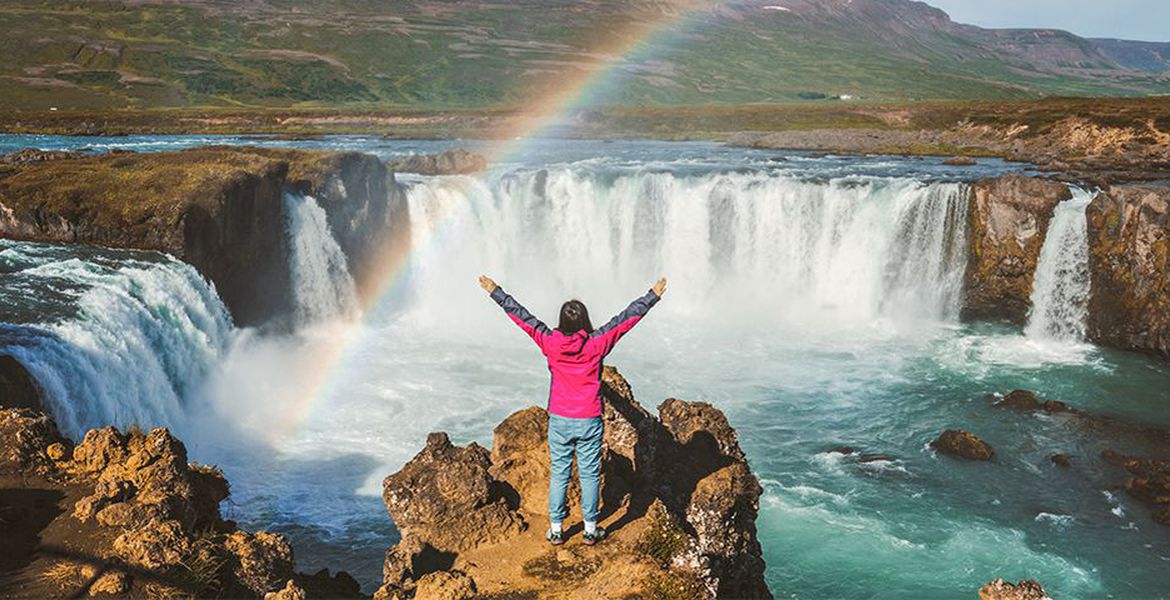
575, 351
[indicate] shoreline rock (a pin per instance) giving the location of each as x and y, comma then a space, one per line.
680, 500
131, 502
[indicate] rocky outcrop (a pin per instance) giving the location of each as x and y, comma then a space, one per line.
676, 488
140, 508
220, 209
18, 389
449, 162
999, 589
1129, 257
963, 444
1008, 219
1028, 401
1150, 482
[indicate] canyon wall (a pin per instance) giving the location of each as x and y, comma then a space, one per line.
219, 209
1129, 259
1008, 219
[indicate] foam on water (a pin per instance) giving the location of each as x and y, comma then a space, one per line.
816, 304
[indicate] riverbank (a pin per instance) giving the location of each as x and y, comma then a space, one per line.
1092, 139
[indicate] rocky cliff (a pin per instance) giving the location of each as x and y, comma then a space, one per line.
1129, 259
124, 514
678, 498
218, 208
1008, 219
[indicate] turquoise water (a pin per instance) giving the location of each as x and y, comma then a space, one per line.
806, 300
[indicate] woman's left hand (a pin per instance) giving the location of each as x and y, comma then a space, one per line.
486, 283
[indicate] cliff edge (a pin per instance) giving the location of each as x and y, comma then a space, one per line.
678, 498
219, 209
124, 514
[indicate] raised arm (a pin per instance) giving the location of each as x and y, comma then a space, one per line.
609, 334
538, 331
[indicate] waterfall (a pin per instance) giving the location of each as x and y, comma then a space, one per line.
322, 286
770, 246
1060, 290
129, 339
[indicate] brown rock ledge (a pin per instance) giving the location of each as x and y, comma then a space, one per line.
678, 497
126, 514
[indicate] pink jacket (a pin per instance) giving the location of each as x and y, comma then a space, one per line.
574, 361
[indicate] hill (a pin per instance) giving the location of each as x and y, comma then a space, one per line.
442, 54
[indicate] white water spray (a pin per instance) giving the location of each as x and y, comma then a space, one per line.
142, 338
322, 286
772, 247
1060, 291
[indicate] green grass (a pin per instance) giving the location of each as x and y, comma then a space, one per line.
105, 54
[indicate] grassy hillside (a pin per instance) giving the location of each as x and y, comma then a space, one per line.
433, 54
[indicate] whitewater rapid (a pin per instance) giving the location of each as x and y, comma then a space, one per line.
814, 300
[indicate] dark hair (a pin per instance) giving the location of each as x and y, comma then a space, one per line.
574, 318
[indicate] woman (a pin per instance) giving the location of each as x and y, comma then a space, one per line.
575, 351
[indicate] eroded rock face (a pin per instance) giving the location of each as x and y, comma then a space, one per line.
447, 496
148, 508
1129, 258
999, 589
1009, 219
25, 439
686, 463
220, 209
964, 444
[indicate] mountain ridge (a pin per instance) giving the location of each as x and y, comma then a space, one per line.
438, 54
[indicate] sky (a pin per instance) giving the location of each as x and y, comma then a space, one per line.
1127, 19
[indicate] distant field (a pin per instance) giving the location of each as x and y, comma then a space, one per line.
715, 122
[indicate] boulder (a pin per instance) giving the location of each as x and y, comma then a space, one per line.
1027, 400
960, 161
110, 583
447, 496
261, 562
999, 589
1061, 460
1008, 219
1129, 256
25, 439
964, 444
290, 591
446, 585
154, 545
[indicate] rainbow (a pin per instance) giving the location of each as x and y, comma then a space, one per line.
567, 92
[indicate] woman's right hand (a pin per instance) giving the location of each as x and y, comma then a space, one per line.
486, 283
660, 287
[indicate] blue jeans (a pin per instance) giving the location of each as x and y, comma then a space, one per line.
565, 435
